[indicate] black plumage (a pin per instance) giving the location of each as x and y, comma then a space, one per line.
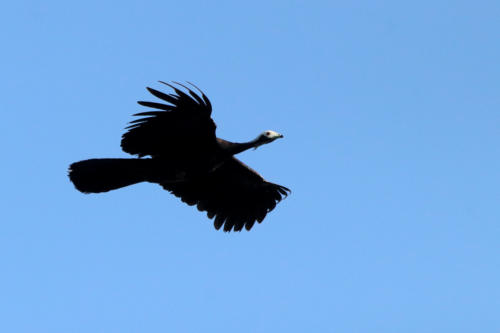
187, 159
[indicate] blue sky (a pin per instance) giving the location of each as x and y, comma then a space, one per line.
390, 112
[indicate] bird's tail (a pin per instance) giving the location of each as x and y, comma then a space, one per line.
106, 174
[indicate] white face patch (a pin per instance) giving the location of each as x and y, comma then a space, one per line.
271, 135
266, 137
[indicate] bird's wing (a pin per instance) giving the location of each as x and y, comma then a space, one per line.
234, 194
182, 127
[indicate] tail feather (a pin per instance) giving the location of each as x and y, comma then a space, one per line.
106, 174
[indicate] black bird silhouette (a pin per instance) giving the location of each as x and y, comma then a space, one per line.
188, 160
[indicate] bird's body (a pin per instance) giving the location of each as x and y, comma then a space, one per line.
188, 160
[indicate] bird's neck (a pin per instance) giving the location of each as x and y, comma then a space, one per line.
237, 148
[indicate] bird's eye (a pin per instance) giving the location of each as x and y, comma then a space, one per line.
268, 133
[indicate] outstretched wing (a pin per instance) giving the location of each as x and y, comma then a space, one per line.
181, 128
234, 194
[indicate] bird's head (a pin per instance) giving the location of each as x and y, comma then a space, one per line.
266, 137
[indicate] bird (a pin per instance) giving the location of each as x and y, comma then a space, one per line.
174, 145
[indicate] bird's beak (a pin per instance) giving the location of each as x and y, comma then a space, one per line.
281, 136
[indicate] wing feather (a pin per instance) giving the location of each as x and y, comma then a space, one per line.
172, 99
175, 130
159, 106
234, 194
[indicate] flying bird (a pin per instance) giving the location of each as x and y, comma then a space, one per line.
184, 156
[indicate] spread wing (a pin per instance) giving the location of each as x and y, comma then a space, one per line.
181, 128
234, 194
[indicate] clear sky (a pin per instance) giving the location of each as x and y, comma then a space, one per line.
391, 117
